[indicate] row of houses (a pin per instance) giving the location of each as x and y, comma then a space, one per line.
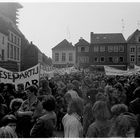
103, 49
16, 52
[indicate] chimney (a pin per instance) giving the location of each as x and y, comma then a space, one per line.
31, 42
91, 36
80, 38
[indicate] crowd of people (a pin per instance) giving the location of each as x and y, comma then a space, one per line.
80, 105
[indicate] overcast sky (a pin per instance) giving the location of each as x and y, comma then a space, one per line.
47, 24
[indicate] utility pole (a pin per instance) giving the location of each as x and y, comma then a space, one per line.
138, 24
68, 34
123, 26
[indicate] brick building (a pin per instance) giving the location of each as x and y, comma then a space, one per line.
108, 49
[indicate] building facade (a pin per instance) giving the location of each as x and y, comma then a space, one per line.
82, 53
10, 47
108, 49
133, 44
3, 47
63, 55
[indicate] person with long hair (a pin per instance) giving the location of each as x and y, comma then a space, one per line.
7, 132
101, 126
124, 126
72, 120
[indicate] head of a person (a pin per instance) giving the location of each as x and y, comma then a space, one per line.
49, 103
119, 87
70, 86
125, 125
103, 83
100, 111
15, 104
100, 97
76, 106
76, 83
91, 94
137, 81
7, 132
31, 91
20, 87
9, 120
70, 95
44, 83
117, 109
137, 93
1, 99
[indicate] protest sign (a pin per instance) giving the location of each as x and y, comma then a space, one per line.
27, 77
113, 71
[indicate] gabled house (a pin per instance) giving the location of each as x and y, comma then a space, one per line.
63, 54
133, 44
108, 49
82, 53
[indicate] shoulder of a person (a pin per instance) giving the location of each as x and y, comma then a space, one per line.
135, 101
93, 125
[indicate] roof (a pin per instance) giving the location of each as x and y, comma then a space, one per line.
82, 42
64, 45
131, 38
107, 38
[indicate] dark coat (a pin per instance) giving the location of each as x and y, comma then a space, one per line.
44, 127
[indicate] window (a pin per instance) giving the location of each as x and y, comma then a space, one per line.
110, 48
116, 48
12, 38
115, 59
18, 53
8, 50
82, 49
2, 54
83, 59
70, 57
56, 56
121, 48
96, 59
15, 40
132, 58
138, 49
120, 59
3, 40
132, 49
102, 48
95, 48
102, 59
110, 59
18, 41
11, 51
15, 53
138, 39
63, 57
139, 58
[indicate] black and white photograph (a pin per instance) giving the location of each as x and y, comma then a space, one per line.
69, 69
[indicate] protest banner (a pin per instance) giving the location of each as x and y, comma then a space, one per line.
113, 71
27, 77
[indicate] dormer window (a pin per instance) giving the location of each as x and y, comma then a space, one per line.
138, 39
82, 49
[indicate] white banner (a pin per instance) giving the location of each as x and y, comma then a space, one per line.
113, 71
27, 77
